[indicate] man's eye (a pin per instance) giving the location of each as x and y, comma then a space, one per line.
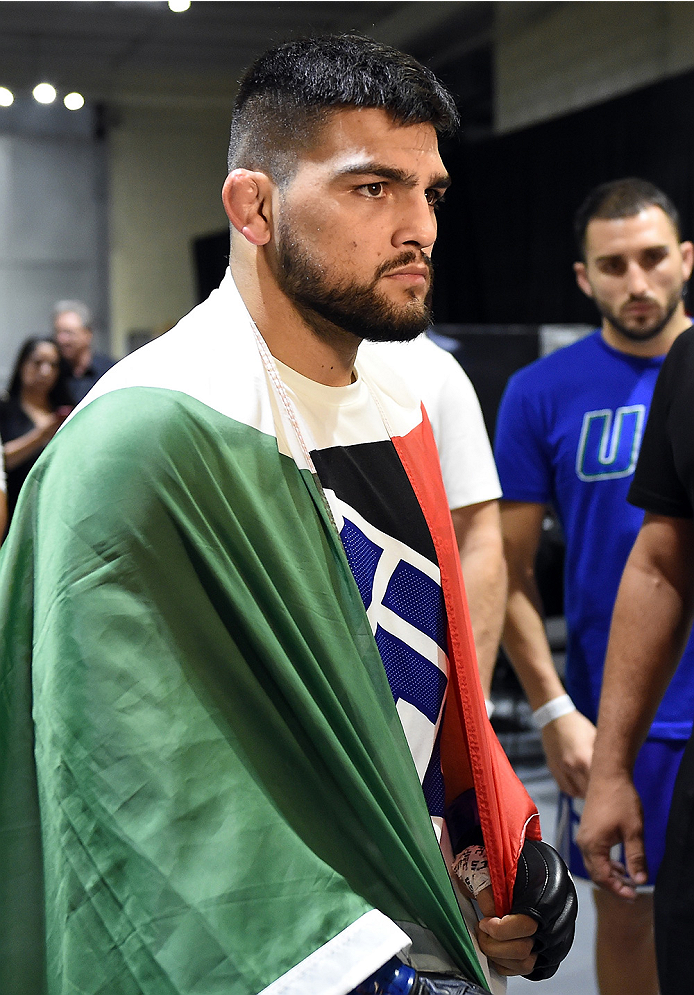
653, 257
372, 189
613, 267
434, 197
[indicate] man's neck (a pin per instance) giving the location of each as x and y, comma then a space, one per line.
328, 360
82, 364
659, 345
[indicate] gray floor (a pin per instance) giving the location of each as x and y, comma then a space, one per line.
576, 976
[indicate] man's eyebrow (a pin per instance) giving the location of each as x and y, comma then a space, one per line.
620, 255
441, 182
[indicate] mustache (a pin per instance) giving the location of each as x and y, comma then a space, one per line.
640, 299
404, 259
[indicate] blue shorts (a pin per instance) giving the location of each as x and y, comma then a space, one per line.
655, 771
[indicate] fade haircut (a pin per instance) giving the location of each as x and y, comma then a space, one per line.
621, 199
288, 93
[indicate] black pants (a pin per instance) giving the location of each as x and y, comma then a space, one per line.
674, 889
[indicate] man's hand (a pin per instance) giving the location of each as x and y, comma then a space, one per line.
537, 934
507, 942
568, 745
612, 815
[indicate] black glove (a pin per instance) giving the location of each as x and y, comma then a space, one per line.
545, 892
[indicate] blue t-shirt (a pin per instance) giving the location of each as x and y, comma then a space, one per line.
568, 434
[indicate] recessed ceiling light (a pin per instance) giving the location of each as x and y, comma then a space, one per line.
44, 93
6, 97
73, 101
178, 6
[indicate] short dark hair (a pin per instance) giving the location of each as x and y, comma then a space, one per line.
621, 199
61, 394
288, 92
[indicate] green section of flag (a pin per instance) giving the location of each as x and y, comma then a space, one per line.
222, 778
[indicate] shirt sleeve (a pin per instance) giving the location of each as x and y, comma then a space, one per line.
521, 449
657, 486
467, 462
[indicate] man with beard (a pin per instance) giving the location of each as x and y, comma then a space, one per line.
235, 613
568, 435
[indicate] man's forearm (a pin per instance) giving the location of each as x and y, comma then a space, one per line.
524, 638
567, 736
650, 624
525, 642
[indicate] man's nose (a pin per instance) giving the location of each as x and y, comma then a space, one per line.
637, 284
417, 225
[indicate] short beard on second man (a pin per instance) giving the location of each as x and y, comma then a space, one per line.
648, 332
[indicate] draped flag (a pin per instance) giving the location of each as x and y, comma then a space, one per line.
204, 783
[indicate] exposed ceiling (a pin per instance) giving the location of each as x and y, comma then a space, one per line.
135, 51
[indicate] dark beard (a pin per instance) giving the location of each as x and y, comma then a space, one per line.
637, 335
358, 309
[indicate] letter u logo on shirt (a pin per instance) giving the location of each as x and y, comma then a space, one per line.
610, 442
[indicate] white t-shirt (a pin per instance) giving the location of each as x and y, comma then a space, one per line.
467, 463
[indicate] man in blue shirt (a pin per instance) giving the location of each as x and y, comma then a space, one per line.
568, 435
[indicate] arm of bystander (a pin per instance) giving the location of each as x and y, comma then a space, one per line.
568, 739
650, 624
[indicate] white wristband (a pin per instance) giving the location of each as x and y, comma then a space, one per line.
554, 709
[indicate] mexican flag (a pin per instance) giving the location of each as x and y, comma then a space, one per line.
204, 783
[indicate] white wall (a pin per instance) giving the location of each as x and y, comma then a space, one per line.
552, 58
167, 166
52, 221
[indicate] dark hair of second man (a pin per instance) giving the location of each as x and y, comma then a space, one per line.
621, 199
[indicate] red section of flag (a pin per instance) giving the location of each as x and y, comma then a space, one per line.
506, 810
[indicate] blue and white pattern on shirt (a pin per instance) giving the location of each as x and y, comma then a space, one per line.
401, 592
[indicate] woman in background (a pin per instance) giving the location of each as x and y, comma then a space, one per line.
37, 402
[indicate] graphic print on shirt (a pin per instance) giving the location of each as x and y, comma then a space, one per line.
392, 558
609, 443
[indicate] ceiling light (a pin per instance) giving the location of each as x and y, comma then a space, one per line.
178, 6
44, 93
6, 97
73, 101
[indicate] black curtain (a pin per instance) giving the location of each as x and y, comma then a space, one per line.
505, 248
211, 256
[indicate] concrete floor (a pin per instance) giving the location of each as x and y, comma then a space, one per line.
576, 976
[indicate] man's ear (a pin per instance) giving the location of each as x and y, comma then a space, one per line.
247, 196
582, 279
687, 250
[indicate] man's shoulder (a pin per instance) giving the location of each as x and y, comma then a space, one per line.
132, 414
683, 346
560, 369
100, 363
678, 366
